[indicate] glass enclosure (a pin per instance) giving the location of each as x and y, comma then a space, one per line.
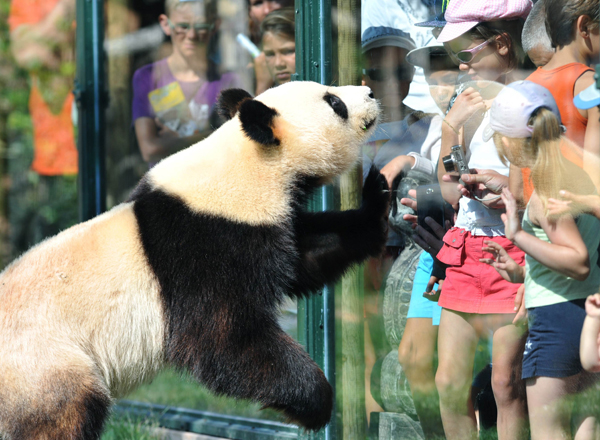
163, 64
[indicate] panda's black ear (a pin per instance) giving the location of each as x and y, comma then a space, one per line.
229, 102
257, 122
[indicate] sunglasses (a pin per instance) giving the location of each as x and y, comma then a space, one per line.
183, 28
467, 55
402, 73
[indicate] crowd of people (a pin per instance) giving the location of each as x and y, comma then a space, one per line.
174, 99
520, 256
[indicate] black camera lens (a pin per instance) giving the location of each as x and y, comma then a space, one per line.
448, 163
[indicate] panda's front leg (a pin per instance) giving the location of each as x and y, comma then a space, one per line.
330, 242
255, 359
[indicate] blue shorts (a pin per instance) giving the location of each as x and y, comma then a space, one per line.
552, 347
420, 307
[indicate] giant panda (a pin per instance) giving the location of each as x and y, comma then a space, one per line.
192, 269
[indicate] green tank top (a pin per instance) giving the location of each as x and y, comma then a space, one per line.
544, 286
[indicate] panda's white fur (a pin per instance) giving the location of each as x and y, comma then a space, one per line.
86, 295
230, 185
86, 315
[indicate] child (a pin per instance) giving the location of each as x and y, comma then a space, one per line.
279, 44
174, 98
573, 29
484, 39
561, 258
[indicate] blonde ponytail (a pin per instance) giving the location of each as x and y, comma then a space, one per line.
549, 170
552, 172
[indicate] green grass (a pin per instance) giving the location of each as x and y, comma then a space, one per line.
175, 389
123, 429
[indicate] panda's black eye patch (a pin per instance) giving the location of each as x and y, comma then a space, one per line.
337, 105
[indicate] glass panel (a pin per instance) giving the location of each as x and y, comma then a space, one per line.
426, 83
167, 63
37, 123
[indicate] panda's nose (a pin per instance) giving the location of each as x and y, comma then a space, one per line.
371, 94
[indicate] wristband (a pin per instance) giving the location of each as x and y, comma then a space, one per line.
453, 129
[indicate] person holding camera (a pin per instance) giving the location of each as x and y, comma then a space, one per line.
484, 39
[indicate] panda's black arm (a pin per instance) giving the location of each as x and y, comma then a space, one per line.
330, 242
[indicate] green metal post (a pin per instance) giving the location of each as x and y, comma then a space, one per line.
91, 96
316, 318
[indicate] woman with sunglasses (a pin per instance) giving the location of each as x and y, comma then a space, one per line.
174, 98
483, 38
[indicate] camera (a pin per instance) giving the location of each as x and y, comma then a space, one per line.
456, 161
430, 204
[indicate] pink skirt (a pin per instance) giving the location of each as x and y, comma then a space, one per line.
471, 286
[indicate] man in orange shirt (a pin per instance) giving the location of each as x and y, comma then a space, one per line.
42, 37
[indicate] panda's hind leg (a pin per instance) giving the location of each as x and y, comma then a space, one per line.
61, 404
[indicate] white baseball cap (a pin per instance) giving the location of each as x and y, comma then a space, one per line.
420, 57
511, 110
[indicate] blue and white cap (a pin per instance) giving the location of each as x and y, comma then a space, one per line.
513, 107
379, 36
587, 99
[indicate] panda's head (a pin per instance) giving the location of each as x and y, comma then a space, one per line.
316, 131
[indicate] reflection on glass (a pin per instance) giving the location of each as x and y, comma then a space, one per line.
279, 44
42, 198
174, 98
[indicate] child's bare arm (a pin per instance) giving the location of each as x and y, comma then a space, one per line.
591, 144
566, 253
588, 348
396, 166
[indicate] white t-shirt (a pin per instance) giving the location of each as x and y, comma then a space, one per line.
473, 215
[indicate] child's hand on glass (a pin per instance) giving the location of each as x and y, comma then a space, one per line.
503, 263
467, 104
512, 223
592, 306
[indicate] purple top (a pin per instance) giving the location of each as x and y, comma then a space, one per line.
201, 96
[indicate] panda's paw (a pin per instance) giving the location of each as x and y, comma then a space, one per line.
376, 194
375, 208
314, 412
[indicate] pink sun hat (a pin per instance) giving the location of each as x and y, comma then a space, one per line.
463, 15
